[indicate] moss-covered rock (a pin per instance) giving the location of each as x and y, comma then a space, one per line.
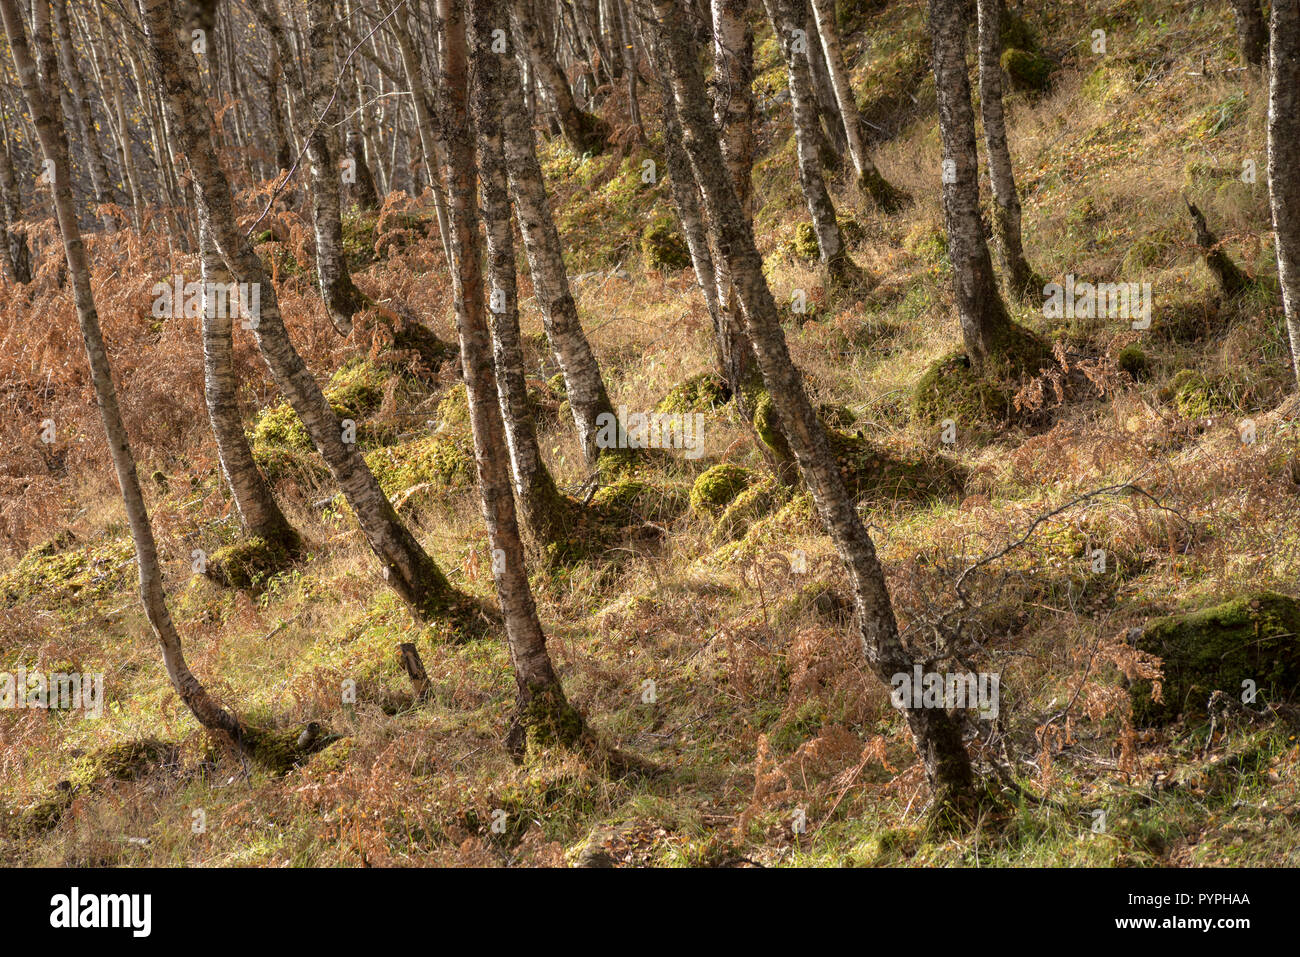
663, 247
700, 393
121, 761
355, 391
753, 503
869, 470
979, 402
632, 500
1195, 395
1027, 70
1133, 360
715, 489
445, 460
804, 244
56, 573
1251, 637
250, 562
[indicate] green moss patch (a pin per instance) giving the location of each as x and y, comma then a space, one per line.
716, 488
53, 573
631, 500
980, 402
445, 460
700, 393
663, 247
251, 562
1252, 637
1027, 70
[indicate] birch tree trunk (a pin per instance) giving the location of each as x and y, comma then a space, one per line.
1021, 279
99, 179
937, 735
258, 511
786, 23
342, 298
495, 73
54, 146
985, 324
18, 253
733, 111
870, 181
407, 568
583, 383
1284, 159
541, 707
577, 129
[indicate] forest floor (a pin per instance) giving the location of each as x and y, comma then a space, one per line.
716, 647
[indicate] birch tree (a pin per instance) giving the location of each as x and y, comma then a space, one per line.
1284, 159
985, 324
870, 181
541, 708
54, 146
1021, 279
406, 567
937, 735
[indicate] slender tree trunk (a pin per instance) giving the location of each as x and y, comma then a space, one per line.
430, 144
584, 385
578, 130
984, 320
833, 143
1284, 159
786, 22
363, 193
1021, 279
99, 179
1252, 32
870, 181
407, 568
275, 108
540, 701
733, 111
342, 298
54, 146
258, 511
937, 735
496, 76
19, 257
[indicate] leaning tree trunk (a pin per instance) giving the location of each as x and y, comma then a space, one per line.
936, 733
1284, 159
258, 511
49, 129
870, 181
985, 324
495, 74
407, 568
576, 128
1021, 279
786, 20
1252, 32
585, 388
541, 706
